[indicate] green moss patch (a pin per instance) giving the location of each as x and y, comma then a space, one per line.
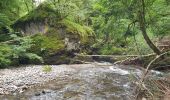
47, 44
42, 12
83, 31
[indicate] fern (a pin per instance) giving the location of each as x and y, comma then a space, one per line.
4, 21
16, 50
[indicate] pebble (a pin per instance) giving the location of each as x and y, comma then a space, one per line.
18, 79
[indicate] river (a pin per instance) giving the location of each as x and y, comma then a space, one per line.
96, 81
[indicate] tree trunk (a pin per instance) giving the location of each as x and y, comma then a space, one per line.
142, 23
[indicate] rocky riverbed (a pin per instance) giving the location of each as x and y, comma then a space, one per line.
19, 79
96, 81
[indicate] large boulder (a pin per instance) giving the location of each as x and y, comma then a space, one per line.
55, 33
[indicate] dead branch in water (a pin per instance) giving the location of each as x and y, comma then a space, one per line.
148, 66
141, 84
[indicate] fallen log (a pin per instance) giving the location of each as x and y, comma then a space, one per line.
120, 59
114, 56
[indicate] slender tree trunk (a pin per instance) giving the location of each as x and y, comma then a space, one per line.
142, 23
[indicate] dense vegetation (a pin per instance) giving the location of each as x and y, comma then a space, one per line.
117, 26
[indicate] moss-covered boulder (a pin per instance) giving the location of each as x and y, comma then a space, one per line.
53, 34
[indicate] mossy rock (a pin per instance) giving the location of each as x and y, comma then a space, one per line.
47, 45
83, 31
52, 18
51, 41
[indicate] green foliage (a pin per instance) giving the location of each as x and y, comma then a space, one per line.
4, 36
15, 50
5, 54
4, 26
42, 12
75, 10
14, 9
21, 49
52, 11
138, 47
4, 21
113, 20
109, 49
12, 48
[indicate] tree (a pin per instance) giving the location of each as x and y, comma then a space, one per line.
112, 18
75, 10
14, 9
142, 23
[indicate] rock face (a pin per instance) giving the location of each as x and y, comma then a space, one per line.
71, 42
34, 28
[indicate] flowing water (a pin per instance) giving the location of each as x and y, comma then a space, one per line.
99, 82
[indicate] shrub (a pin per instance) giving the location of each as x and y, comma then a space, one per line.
5, 54
109, 50
14, 51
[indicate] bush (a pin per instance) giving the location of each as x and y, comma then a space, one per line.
5, 54
14, 51
111, 50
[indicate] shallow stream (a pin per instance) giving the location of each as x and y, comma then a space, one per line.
99, 81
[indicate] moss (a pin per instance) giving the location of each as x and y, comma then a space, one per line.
47, 44
53, 32
39, 14
83, 31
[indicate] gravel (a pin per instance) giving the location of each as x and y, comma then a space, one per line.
19, 79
